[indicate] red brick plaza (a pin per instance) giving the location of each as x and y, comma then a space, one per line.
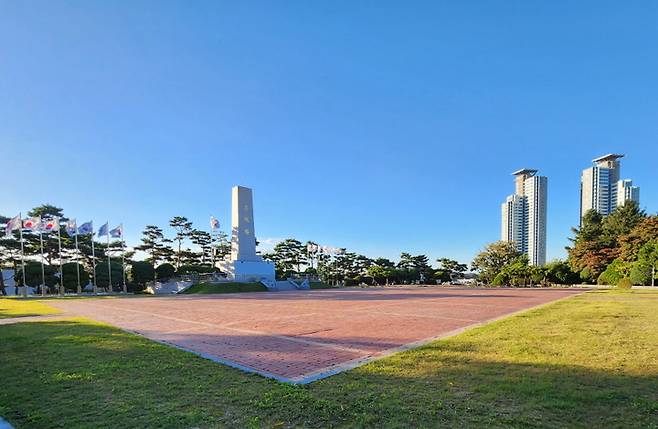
301, 336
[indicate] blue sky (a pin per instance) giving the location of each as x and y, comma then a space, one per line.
378, 126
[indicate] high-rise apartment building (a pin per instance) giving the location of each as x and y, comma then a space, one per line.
627, 192
601, 188
524, 215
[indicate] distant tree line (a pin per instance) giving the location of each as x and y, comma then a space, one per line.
165, 256
10, 255
620, 247
293, 258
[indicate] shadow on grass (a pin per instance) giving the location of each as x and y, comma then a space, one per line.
74, 374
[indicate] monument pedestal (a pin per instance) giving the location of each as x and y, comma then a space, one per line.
248, 271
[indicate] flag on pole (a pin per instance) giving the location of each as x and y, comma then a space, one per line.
71, 227
117, 232
103, 230
32, 223
86, 228
214, 223
51, 225
14, 223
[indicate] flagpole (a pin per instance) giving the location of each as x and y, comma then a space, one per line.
61, 265
123, 260
20, 235
43, 272
93, 260
109, 265
212, 248
77, 258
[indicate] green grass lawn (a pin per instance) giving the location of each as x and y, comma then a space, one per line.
207, 288
589, 361
321, 285
21, 307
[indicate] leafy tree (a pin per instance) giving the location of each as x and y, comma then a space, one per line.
155, 244
33, 274
451, 269
415, 268
643, 271
560, 272
621, 221
140, 273
195, 269
288, 255
70, 270
221, 245
384, 262
406, 261
590, 253
165, 271
516, 273
183, 229
204, 241
380, 274
616, 271
597, 242
495, 256
630, 244
102, 278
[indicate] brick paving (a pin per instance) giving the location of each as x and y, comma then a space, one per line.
301, 336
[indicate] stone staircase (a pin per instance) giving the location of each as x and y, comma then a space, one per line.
284, 285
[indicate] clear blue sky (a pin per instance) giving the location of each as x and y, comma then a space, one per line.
378, 126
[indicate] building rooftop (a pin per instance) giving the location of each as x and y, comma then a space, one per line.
608, 157
525, 172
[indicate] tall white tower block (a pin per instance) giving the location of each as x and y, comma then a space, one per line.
524, 215
601, 188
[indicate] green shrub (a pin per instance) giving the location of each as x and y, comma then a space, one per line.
231, 287
195, 269
624, 283
165, 271
641, 273
501, 279
71, 276
102, 275
616, 271
586, 276
33, 274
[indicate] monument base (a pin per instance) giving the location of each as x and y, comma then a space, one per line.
249, 271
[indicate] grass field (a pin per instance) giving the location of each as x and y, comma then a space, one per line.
211, 288
21, 307
321, 285
588, 361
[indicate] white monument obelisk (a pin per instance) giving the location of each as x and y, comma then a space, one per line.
245, 265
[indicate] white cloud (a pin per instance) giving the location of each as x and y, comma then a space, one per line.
267, 244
